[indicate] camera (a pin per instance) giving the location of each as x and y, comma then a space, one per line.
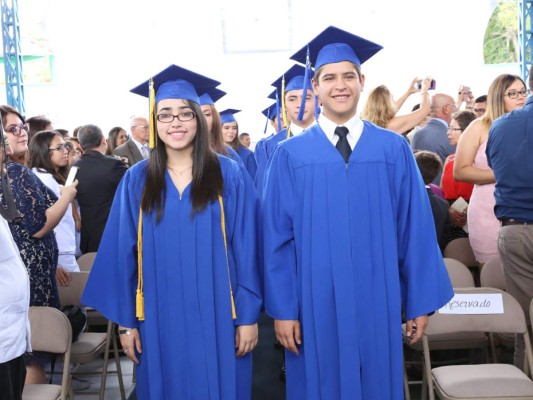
432, 85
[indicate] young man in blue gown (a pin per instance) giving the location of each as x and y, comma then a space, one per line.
349, 241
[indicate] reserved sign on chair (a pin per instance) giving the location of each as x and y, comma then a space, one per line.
478, 303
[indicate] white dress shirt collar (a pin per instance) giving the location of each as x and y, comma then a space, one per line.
355, 127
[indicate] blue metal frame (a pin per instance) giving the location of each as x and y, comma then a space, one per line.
13, 56
525, 36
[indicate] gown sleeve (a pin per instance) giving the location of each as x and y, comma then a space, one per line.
112, 282
280, 281
261, 161
424, 279
243, 219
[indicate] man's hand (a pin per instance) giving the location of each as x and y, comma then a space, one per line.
416, 328
288, 333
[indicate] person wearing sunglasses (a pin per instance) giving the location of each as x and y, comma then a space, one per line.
40, 211
506, 93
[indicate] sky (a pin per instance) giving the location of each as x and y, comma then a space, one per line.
103, 49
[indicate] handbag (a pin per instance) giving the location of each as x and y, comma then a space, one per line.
77, 318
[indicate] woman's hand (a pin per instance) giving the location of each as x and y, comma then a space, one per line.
457, 218
62, 276
246, 338
426, 83
131, 342
69, 192
413, 88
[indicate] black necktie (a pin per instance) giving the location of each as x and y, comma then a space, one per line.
342, 145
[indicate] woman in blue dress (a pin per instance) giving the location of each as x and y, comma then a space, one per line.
177, 267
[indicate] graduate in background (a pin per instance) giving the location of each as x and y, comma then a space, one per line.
272, 117
230, 135
349, 241
214, 125
297, 106
182, 235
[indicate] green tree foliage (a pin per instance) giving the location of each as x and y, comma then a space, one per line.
501, 37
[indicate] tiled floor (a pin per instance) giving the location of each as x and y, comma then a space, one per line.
91, 373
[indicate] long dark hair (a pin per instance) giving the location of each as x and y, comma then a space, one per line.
215, 137
39, 155
112, 139
235, 144
207, 183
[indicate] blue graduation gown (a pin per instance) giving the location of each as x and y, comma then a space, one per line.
347, 247
265, 154
188, 332
247, 157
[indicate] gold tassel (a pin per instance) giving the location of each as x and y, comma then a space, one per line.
139, 304
152, 114
223, 226
283, 109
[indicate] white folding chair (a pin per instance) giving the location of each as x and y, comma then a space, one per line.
461, 250
480, 381
90, 345
51, 332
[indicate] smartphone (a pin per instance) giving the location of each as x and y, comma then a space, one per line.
465, 90
71, 175
432, 84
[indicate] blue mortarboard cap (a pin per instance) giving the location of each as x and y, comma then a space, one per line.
273, 95
270, 111
334, 45
177, 83
228, 115
294, 79
211, 97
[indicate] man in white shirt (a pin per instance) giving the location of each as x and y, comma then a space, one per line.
136, 148
14, 305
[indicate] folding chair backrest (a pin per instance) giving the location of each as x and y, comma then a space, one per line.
50, 330
492, 274
511, 321
460, 275
461, 250
85, 261
71, 294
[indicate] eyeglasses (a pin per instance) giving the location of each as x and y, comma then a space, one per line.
183, 117
513, 94
17, 129
454, 129
141, 126
60, 148
479, 110
453, 105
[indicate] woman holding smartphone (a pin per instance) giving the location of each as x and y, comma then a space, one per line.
48, 158
182, 234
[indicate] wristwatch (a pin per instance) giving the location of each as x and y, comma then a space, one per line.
124, 332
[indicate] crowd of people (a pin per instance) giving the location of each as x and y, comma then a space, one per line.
334, 225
